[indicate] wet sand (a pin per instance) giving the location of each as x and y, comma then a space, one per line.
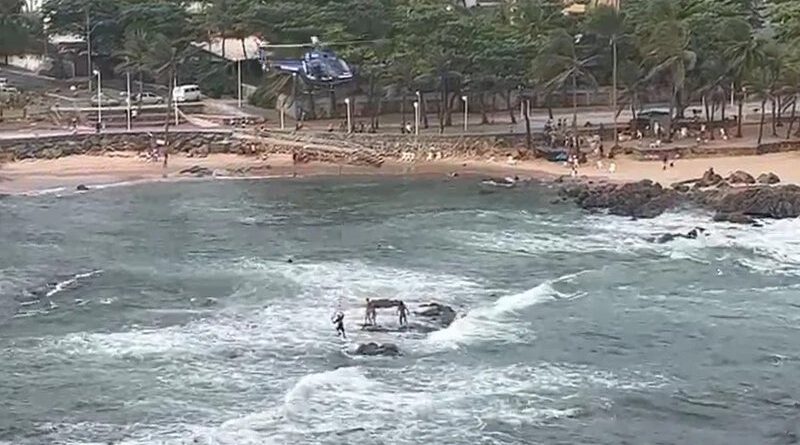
31, 176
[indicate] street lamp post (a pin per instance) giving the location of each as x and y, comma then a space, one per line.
419, 105
466, 112
349, 124
128, 87
88, 48
416, 118
239, 89
99, 98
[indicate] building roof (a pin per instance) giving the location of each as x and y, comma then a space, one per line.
233, 48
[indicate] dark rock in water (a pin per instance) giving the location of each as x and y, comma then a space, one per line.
441, 314
82, 188
197, 171
741, 177
372, 349
692, 234
762, 202
735, 217
768, 178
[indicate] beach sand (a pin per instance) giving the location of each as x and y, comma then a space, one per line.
30, 176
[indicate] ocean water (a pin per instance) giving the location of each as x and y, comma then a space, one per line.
170, 314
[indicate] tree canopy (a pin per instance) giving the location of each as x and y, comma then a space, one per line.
676, 51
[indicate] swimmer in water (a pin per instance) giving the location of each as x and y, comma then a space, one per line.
338, 321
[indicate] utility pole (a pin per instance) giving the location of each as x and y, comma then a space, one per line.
88, 49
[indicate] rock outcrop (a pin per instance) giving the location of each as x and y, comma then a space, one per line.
768, 178
646, 199
643, 199
372, 349
741, 177
760, 202
439, 314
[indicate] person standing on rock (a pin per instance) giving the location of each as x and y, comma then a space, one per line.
338, 321
402, 311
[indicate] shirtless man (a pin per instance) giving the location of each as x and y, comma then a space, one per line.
338, 321
402, 311
368, 313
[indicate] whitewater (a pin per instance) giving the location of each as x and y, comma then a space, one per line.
200, 313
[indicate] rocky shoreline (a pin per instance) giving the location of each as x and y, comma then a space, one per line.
740, 198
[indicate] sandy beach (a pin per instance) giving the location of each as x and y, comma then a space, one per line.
30, 176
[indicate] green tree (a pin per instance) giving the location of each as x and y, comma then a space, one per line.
744, 52
560, 63
667, 51
608, 23
17, 30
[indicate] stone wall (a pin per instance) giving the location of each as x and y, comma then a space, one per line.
51, 147
712, 150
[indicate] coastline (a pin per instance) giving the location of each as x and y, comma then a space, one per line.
66, 173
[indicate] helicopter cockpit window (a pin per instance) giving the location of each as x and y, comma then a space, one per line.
316, 68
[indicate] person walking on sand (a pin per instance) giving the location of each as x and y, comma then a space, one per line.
166, 161
402, 312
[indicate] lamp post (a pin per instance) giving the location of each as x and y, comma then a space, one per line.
89, 30
99, 98
349, 124
128, 87
466, 112
419, 104
283, 119
239, 75
416, 118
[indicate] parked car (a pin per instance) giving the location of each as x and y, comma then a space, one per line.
8, 89
147, 98
186, 93
105, 101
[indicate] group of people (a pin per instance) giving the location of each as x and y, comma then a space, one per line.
370, 317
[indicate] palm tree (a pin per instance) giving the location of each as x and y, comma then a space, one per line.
608, 23
559, 63
744, 53
761, 83
163, 60
668, 53
136, 53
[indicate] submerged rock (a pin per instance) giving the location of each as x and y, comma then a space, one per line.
692, 234
734, 217
197, 171
372, 349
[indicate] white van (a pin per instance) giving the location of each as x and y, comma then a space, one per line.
186, 93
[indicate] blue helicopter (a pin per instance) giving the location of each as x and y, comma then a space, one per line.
318, 66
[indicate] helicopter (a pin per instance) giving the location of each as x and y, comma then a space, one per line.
318, 66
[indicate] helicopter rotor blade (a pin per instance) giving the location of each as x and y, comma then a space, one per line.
321, 43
